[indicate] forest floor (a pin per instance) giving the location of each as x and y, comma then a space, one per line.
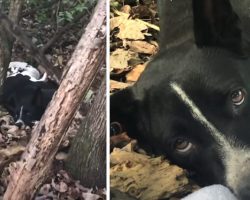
134, 28
13, 140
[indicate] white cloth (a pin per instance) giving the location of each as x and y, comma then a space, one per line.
213, 192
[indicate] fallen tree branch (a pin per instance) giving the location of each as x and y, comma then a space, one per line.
86, 61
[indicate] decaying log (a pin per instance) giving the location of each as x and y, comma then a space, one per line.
144, 177
34, 166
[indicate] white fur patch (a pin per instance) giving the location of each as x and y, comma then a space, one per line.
19, 120
26, 70
236, 157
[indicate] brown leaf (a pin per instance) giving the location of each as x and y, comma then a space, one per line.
142, 47
114, 85
129, 28
45, 189
145, 177
60, 187
126, 9
61, 156
135, 73
90, 196
10, 152
120, 57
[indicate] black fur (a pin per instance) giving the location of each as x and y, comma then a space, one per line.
209, 64
18, 91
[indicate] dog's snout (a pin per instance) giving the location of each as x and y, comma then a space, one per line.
19, 123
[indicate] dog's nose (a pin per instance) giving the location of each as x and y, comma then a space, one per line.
19, 123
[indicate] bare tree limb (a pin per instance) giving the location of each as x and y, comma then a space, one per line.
17, 32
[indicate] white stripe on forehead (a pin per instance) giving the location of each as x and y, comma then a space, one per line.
235, 158
197, 114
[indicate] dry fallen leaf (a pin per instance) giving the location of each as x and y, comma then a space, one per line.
149, 25
45, 189
60, 186
144, 177
135, 73
120, 57
61, 156
129, 28
141, 47
90, 196
115, 85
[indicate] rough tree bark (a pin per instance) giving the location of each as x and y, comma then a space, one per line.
6, 41
33, 168
87, 156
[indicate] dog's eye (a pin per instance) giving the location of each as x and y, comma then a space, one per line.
238, 97
115, 128
182, 145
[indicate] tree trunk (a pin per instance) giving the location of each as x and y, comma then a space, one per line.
87, 156
5, 53
35, 164
6, 41
15, 10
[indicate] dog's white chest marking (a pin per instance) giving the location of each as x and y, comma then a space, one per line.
19, 120
236, 157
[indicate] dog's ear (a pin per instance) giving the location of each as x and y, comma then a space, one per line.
176, 23
242, 9
200, 22
123, 111
216, 24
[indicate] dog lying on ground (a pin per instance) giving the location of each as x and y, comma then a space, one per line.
25, 94
192, 101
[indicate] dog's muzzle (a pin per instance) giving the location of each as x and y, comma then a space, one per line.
235, 156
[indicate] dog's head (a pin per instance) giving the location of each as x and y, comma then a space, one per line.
26, 100
192, 103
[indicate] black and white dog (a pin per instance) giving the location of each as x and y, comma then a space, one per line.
25, 94
192, 102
